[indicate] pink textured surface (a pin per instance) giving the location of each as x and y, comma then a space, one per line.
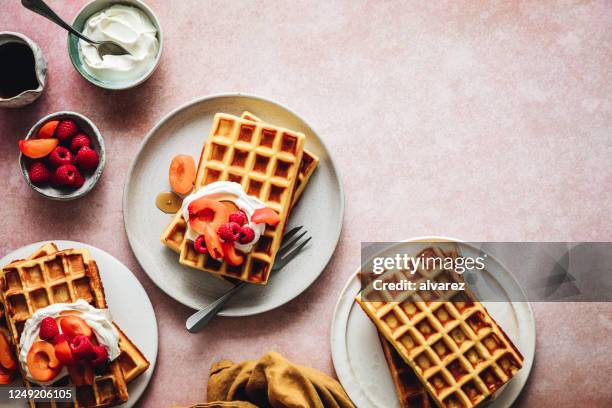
483, 122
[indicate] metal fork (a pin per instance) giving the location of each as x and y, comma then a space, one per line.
289, 249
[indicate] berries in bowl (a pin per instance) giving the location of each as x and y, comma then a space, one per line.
62, 157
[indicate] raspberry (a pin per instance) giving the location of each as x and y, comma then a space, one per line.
87, 158
246, 235
65, 175
82, 348
39, 173
66, 129
48, 329
101, 355
60, 156
80, 140
229, 232
79, 180
200, 245
60, 338
239, 218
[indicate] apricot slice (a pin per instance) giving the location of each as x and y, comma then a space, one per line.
47, 130
231, 255
205, 211
64, 353
7, 360
265, 215
81, 374
37, 148
73, 326
42, 362
213, 242
7, 376
231, 207
182, 174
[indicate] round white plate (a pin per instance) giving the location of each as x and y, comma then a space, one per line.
127, 301
183, 131
361, 366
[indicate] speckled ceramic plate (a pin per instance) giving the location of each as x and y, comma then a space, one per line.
358, 357
128, 303
184, 131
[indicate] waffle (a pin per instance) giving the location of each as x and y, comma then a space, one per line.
61, 277
455, 348
410, 392
265, 160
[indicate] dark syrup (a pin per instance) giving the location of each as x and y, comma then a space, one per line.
17, 69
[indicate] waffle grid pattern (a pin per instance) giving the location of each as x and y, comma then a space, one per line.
456, 348
264, 159
62, 277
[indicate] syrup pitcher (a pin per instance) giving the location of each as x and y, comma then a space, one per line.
23, 70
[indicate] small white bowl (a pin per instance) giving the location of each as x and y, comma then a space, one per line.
97, 143
74, 52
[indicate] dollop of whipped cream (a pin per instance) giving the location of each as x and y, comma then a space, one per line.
99, 320
227, 191
129, 27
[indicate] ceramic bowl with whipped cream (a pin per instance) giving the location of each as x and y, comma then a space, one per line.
131, 24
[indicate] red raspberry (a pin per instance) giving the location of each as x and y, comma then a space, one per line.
239, 218
65, 175
48, 329
229, 232
60, 156
200, 245
39, 173
66, 129
101, 356
60, 338
87, 158
81, 348
246, 235
79, 180
80, 140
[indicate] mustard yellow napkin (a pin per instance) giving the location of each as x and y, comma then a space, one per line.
273, 382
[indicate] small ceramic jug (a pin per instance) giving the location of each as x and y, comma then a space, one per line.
37, 85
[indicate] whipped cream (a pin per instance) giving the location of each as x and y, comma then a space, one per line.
99, 320
231, 192
129, 27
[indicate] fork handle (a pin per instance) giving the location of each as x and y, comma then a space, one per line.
40, 7
199, 319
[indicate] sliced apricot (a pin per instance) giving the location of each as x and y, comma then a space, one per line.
73, 326
42, 362
7, 359
7, 376
37, 148
182, 174
231, 207
205, 211
47, 130
213, 242
64, 353
81, 374
231, 255
265, 215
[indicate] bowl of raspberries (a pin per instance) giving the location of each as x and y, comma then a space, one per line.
62, 157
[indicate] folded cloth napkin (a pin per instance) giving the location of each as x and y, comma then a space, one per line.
273, 382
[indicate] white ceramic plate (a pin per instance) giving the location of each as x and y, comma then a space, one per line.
127, 301
358, 357
183, 131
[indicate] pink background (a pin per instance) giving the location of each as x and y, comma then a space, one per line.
476, 121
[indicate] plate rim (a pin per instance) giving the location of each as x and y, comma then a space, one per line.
334, 340
61, 243
189, 104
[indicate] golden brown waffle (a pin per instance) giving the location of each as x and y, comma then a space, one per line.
410, 392
264, 159
456, 349
307, 166
61, 277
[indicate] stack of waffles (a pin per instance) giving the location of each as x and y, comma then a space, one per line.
450, 353
271, 164
51, 276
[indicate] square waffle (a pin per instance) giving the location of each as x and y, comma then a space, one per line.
455, 348
61, 277
265, 160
